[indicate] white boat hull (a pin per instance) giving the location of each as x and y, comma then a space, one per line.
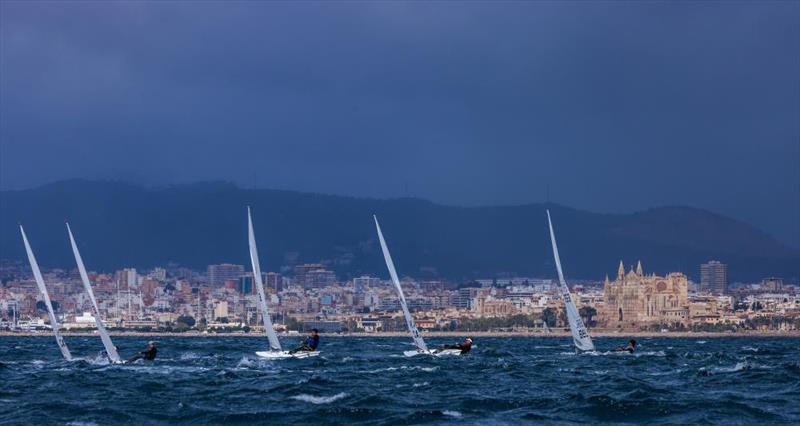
286, 354
436, 353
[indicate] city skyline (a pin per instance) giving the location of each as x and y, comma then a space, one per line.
158, 298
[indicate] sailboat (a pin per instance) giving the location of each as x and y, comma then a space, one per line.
422, 348
580, 336
275, 351
111, 350
37, 275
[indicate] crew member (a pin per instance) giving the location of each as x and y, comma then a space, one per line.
630, 348
148, 354
464, 346
310, 344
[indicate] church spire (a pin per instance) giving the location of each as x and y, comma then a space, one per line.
621, 270
639, 268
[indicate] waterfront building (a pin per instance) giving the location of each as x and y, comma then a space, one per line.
636, 300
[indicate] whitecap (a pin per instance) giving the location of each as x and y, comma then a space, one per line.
189, 355
319, 399
245, 362
452, 413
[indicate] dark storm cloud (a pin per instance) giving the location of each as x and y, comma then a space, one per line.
615, 106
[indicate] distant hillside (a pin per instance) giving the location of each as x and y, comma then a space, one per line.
120, 225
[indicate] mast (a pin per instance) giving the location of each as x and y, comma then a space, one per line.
37, 275
111, 351
274, 343
412, 328
579, 334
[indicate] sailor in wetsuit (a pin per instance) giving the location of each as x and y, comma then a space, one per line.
310, 344
630, 348
149, 354
464, 346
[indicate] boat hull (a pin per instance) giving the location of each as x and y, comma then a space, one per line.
436, 353
286, 354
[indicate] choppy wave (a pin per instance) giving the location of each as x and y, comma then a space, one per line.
503, 381
320, 399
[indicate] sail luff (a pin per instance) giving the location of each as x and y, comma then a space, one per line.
274, 343
580, 336
111, 351
37, 275
412, 328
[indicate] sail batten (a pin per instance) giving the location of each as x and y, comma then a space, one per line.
274, 343
37, 275
580, 336
412, 328
111, 351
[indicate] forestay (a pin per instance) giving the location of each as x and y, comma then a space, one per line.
579, 334
111, 351
274, 344
412, 328
37, 275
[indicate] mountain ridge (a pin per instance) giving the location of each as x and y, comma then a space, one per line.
119, 224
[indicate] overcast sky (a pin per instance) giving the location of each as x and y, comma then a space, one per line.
617, 106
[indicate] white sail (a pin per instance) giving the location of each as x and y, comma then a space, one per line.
579, 334
412, 328
274, 344
37, 275
110, 349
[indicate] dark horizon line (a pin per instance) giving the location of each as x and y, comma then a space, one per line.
223, 182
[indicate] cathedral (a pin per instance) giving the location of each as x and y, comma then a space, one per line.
635, 300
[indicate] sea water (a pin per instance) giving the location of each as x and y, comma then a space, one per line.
213, 380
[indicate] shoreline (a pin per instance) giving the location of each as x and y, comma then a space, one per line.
597, 333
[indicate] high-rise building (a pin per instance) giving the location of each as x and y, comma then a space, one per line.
463, 297
313, 275
127, 278
300, 272
246, 284
364, 282
714, 277
159, 274
772, 284
319, 278
218, 274
273, 282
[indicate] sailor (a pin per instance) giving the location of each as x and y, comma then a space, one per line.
464, 346
148, 354
310, 344
630, 348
